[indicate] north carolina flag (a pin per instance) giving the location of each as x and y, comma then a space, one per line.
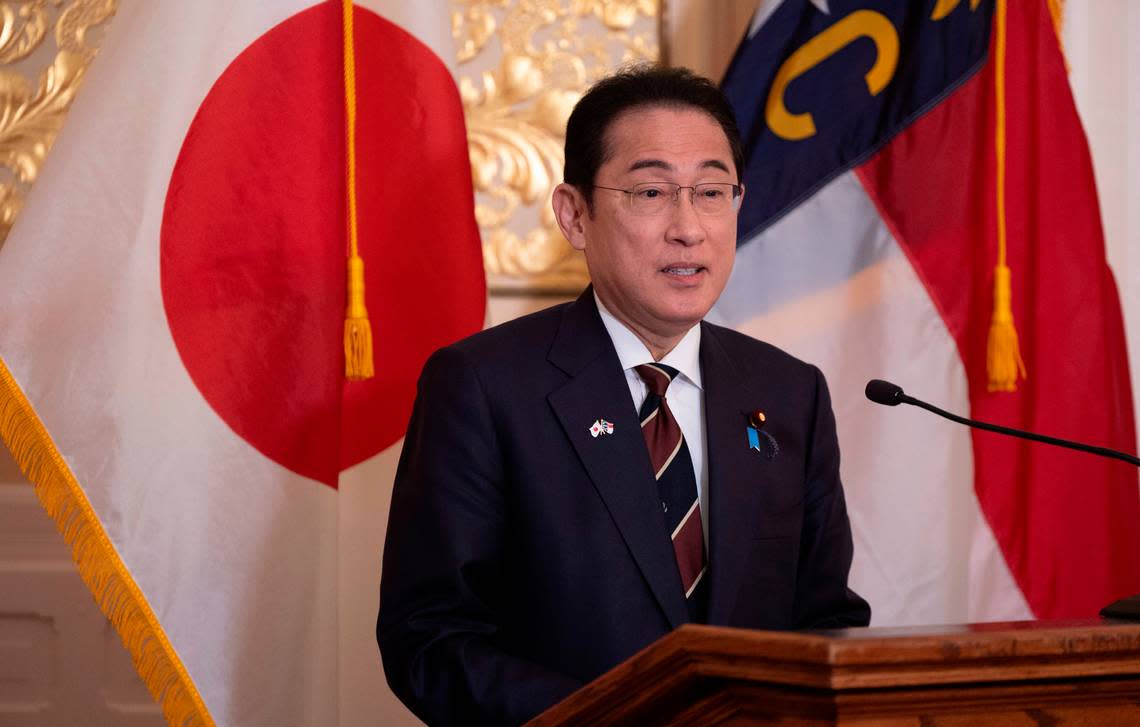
172, 306
868, 244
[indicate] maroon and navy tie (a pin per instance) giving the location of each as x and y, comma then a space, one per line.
676, 484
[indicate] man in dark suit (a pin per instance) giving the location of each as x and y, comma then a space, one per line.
578, 482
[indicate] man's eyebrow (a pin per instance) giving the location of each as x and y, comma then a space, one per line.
714, 164
650, 164
661, 164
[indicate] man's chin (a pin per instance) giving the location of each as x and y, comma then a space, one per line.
686, 306
682, 318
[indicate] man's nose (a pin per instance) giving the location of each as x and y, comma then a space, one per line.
686, 225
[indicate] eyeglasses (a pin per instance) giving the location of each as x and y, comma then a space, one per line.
655, 198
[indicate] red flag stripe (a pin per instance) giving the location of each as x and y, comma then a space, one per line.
1065, 522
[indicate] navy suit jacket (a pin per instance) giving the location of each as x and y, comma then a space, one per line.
524, 557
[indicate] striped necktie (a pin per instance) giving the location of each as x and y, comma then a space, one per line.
676, 484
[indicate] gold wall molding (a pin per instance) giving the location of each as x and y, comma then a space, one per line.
523, 64
38, 81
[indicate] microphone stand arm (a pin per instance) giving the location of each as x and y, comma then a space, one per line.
1102, 451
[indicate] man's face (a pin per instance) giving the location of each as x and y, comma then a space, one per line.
658, 274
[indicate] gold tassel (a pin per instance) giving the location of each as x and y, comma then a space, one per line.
1003, 352
98, 562
357, 329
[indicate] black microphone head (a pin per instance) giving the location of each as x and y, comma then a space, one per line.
884, 392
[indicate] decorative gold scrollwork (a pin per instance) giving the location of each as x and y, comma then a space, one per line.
517, 94
23, 29
33, 108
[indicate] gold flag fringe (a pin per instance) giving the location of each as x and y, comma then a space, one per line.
100, 566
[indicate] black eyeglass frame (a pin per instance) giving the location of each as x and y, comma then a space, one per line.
737, 193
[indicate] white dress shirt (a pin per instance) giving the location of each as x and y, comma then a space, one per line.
686, 395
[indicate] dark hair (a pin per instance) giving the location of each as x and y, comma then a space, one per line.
632, 88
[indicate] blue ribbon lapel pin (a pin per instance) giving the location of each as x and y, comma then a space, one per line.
758, 438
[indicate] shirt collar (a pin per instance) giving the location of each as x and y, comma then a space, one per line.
685, 356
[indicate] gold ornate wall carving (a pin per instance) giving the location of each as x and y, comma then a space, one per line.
45, 49
522, 66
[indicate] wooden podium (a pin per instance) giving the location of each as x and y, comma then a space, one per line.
1023, 673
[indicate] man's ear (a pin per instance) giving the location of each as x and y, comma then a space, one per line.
571, 212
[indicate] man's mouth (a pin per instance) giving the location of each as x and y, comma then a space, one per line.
682, 271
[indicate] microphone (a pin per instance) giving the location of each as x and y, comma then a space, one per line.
888, 394
885, 393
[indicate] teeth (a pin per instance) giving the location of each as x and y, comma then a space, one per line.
682, 271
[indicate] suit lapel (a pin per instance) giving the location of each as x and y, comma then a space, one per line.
618, 463
736, 473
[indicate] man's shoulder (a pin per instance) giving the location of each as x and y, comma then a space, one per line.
517, 344
532, 332
751, 352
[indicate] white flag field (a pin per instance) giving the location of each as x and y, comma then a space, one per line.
172, 312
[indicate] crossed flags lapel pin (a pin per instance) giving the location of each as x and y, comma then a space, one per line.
601, 426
